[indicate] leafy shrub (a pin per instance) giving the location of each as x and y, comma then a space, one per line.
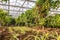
25, 19
3, 14
5, 18
9, 21
42, 21
21, 20
53, 21
29, 19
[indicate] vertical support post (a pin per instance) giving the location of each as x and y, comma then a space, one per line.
8, 6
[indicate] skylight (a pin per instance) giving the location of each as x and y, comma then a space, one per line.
16, 7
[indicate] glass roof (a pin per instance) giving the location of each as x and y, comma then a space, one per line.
16, 7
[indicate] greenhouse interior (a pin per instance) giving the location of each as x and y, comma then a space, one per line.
16, 7
29, 19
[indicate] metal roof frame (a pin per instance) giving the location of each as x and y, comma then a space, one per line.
22, 6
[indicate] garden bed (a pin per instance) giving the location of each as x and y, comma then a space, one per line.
26, 33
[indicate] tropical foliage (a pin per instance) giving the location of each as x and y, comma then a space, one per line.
53, 21
5, 18
43, 6
33, 17
3, 14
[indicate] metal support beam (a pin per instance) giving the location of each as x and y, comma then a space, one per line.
15, 6
29, 0
13, 10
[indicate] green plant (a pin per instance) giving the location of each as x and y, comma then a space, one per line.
9, 21
43, 6
34, 37
53, 21
5, 0
26, 33
21, 20
6, 19
30, 18
3, 14
42, 9
41, 22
